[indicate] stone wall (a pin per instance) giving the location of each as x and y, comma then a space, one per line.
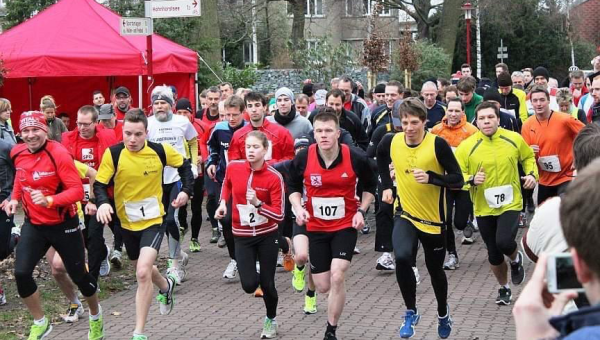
272, 79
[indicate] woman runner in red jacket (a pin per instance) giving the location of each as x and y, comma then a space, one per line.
258, 205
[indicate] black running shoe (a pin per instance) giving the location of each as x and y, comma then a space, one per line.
517, 272
329, 336
504, 296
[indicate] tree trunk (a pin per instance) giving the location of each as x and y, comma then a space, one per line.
208, 34
422, 30
448, 28
298, 8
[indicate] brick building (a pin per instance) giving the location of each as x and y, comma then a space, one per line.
584, 18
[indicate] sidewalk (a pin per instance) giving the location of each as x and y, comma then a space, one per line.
208, 307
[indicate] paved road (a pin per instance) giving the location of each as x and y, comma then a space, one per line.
207, 307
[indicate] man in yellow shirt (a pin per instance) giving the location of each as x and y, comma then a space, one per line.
136, 166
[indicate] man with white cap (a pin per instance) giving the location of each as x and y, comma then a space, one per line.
166, 127
286, 114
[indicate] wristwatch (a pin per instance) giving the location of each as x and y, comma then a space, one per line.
362, 212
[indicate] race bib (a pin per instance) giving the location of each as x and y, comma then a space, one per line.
497, 197
330, 208
145, 209
549, 163
86, 192
512, 112
269, 154
249, 215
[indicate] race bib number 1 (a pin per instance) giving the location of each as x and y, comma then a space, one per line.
550, 163
330, 208
146, 209
497, 197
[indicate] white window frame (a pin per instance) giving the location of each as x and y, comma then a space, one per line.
2, 4
249, 46
385, 13
310, 5
311, 44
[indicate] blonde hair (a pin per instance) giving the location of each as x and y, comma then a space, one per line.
4, 104
564, 95
47, 102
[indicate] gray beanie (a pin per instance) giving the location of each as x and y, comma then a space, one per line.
284, 91
163, 93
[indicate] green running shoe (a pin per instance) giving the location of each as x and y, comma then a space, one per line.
269, 329
139, 337
96, 329
298, 278
194, 245
40, 332
310, 304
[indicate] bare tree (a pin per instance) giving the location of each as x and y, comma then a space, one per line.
421, 11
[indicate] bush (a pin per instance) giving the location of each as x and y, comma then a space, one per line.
433, 63
324, 61
240, 78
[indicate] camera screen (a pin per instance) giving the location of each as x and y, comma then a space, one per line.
565, 274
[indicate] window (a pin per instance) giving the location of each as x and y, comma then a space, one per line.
314, 8
2, 4
364, 7
249, 53
311, 44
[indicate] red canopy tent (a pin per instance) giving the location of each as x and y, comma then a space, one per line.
74, 47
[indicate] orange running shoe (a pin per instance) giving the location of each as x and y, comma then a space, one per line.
288, 258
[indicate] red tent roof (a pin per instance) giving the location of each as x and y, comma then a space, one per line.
81, 38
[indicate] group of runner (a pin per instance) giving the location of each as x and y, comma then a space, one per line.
289, 189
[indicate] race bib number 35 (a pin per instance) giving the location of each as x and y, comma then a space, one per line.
330, 208
497, 197
146, 209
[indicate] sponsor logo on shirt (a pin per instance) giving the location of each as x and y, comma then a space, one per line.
87, 154
39, 174
344, 175
315, 180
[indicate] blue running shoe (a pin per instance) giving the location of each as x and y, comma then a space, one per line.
445, 325
411, 319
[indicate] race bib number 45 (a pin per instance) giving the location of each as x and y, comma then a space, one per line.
497, 197
146, 209
330, 208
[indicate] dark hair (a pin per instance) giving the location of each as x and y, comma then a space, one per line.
465, 65
136, 116
89, 109
487, 105
347, 79
451, 88
539, 89
226, 84
456, 99
213, 89
203, 93
335, 94
255, 97
444, 81
326, 114
579, 222
63, 114
503, 66
397, 84
527, 69
235, 101
586, 146
466, 84
413, 107
97, 92
260, 136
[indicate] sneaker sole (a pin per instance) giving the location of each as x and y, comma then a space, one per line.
504, 303
47, 332
384, 268
310, 312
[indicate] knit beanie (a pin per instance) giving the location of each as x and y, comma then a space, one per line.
541, 71
284, 91
184, 104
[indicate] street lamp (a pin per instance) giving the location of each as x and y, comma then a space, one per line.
467, 8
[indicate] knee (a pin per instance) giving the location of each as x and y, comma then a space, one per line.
495, 258
58, 269
249, 286
507, 247
322, 288
301, 258
337, 278
403, 257
144, 274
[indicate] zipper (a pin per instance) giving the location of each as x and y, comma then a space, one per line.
249, 186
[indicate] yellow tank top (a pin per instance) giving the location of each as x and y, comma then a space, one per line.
422, 204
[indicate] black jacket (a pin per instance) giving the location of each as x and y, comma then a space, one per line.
7, 171
351, 123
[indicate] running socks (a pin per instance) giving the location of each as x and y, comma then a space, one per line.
310, 293
97, 316
40, 322
330, 328
300, 268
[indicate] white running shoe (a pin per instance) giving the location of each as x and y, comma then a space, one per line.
452, 262
356, 251
280, 259
385, 262
417, 276
175, 273
2, 298
74, 312
115, 259
231, 271
105, 265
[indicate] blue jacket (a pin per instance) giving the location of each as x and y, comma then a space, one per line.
218, 144
583, 324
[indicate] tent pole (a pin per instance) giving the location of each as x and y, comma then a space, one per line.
30, 83
196, 88
140, 91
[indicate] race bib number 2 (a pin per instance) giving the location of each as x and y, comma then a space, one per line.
330, 208
497, 197
249, 215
